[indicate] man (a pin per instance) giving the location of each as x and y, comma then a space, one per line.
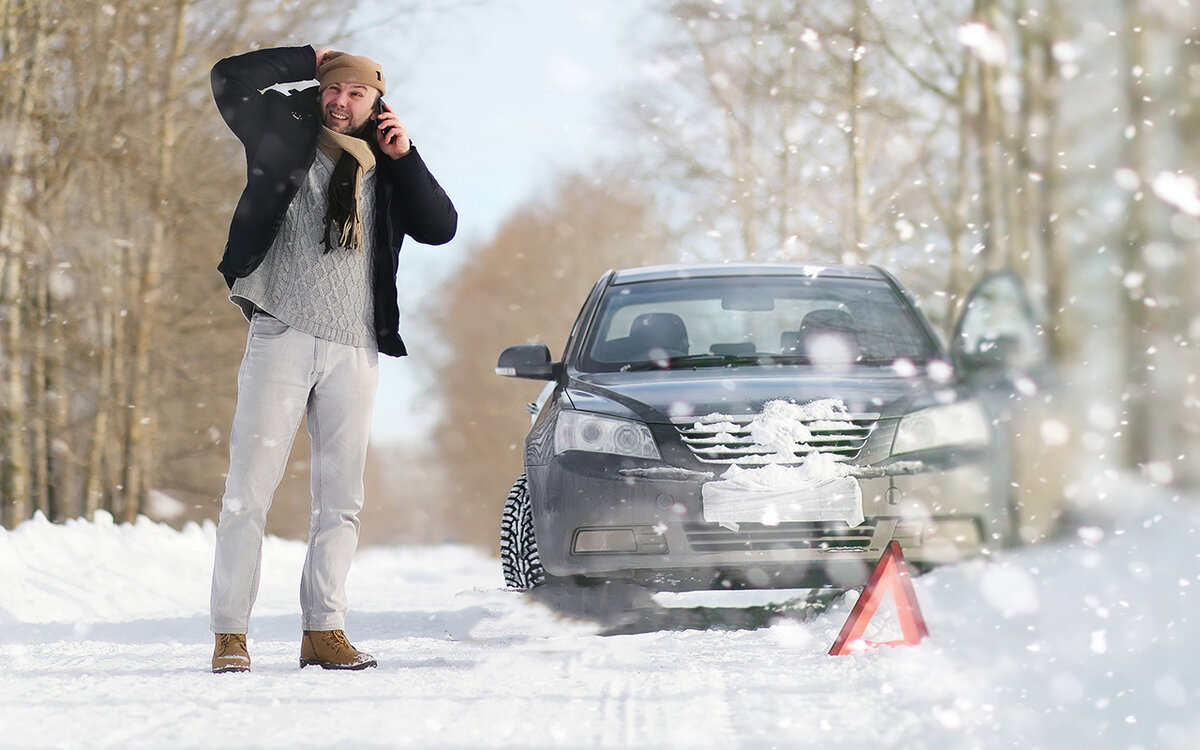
333, 184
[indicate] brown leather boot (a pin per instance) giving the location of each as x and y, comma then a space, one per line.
329, 649
230, 654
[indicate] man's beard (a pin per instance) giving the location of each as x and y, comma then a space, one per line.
361, 131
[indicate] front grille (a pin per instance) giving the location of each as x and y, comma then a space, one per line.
728, 439
826, 536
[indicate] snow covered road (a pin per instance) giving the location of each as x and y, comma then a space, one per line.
1088, 642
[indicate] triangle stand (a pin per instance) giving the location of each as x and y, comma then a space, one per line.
890, 575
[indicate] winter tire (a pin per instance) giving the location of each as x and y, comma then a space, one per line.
518, 546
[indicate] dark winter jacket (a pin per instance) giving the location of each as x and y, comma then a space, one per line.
280, 131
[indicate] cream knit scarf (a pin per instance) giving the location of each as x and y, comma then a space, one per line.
332, 144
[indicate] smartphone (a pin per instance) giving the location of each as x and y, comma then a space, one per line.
378, 112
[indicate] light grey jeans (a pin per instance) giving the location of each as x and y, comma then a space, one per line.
284, 375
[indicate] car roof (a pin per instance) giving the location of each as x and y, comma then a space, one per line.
726, 270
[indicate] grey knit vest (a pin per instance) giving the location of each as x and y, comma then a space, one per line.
327, 295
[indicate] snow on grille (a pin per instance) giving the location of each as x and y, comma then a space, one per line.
783, 433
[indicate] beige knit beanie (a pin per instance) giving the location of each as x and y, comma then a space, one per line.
343, 68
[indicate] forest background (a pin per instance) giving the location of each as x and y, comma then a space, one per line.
938, 138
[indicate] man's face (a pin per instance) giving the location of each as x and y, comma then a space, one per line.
346, 107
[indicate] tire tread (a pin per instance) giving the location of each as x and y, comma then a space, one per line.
519, 557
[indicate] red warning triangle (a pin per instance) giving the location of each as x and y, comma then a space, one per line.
890, 575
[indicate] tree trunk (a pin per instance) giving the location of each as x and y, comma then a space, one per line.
64, 468
140, 454
39, 426
22, 31
858, 220
1055, 253
959, 282
94, 485
990, 134
1138, 370
740, 158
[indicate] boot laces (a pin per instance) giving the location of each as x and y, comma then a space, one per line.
336, 639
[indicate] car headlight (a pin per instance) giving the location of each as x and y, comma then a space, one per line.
964, 423
579, 431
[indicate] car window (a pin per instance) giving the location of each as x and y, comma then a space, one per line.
753, 321
998, 326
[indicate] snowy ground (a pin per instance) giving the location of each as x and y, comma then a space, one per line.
1089, 642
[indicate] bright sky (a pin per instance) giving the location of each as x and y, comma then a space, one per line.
499, 95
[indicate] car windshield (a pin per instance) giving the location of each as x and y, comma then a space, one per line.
753, 321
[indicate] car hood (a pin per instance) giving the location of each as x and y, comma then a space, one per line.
657, 396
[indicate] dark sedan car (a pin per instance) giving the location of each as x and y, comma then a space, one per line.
766, 426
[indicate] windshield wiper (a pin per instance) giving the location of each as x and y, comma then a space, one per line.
695, 361
689, 361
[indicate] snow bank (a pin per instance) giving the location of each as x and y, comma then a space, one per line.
84, 572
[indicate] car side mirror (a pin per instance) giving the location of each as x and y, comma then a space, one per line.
530, 361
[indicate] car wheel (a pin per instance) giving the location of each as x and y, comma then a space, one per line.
518, 546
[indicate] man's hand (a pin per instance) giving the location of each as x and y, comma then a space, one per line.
326, 53
391, 134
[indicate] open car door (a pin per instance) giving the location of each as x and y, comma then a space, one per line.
1002, 356
998, 338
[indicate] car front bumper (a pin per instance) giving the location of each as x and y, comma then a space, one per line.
646, 523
